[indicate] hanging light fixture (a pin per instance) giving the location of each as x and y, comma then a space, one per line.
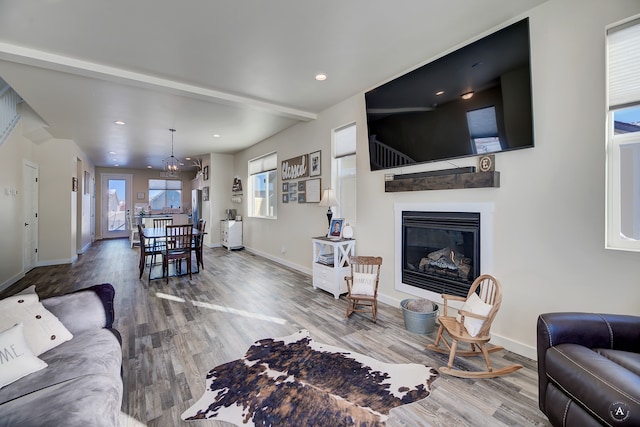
171, 164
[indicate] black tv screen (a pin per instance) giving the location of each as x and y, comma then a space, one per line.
425, 116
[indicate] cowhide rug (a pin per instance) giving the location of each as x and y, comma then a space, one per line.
294, 381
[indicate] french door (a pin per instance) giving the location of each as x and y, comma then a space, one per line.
115, 202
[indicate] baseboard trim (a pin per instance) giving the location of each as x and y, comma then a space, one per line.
284, 262
56, 261
5, 285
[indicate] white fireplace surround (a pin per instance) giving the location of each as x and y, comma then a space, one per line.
486, 239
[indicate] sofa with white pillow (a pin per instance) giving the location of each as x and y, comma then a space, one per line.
60, 359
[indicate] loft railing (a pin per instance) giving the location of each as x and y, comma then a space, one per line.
382, 156
9, 116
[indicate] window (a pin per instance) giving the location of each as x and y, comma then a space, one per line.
165, 193
623, 137
263, 176
344, 142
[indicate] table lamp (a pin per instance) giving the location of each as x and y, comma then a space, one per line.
329, 200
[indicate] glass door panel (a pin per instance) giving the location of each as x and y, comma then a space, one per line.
116, 201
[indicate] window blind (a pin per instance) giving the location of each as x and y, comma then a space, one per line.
623, 49
345, 141
262, 164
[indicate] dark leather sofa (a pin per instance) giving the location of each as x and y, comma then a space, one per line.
589, 369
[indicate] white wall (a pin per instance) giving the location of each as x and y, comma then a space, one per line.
549, 211
15, 148
219, 183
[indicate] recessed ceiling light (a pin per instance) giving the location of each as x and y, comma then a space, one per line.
321, 77
116, 165
112, 152
187, 158
119, 122
467, 95
114, 160
216, 135
149, 167
440, 92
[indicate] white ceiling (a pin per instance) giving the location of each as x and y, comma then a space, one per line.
242, 69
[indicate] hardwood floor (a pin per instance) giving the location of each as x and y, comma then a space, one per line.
173, 334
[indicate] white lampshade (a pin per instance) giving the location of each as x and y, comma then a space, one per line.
328, 198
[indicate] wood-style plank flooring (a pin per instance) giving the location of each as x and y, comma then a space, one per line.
173, 334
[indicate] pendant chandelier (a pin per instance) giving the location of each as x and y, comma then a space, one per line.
171, 164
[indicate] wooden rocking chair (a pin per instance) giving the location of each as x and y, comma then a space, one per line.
472, 326
362, 285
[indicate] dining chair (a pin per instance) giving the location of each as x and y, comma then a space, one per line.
178, 241
198, 242
134, 236
148, 249
162, 222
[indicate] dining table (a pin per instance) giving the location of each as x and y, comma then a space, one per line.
155, 234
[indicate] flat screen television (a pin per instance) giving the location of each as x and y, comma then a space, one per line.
473, 101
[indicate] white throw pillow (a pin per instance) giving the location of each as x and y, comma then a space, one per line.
363, 284
476, 306
16, 359
42, 330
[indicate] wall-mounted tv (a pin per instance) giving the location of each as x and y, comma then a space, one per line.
472, 101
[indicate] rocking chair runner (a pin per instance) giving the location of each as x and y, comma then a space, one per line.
362, 285
472, 327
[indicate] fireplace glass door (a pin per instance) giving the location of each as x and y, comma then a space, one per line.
441, 250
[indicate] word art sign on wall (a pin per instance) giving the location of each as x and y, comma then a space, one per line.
295, 168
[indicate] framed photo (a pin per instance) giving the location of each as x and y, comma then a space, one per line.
237, 185
205, 174
285, 187
335, 230
205, 194
301, 186
285, 198
301, 198
314, 163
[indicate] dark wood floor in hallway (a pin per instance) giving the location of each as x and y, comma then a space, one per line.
174, 333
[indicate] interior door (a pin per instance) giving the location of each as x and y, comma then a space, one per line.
30, 212
116, 200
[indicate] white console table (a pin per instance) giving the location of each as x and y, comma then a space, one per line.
329, 271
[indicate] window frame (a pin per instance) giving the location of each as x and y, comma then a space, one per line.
263, 167
623, 91
343, 150
165, 189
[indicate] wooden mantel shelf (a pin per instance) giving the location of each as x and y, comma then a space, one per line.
444, 182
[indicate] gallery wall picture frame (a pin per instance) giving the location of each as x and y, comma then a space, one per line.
301, 186
140, 195
205, 173
314, 163
302, 198
205, 194
312, 190
285, 187
285, 198
295, 168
